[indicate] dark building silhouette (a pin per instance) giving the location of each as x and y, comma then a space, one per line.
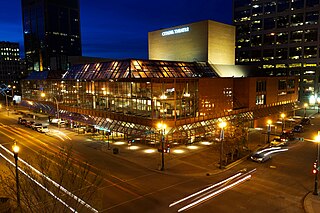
10, 63
281, 37
51, 31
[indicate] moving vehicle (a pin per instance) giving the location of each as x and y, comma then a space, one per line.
263, 155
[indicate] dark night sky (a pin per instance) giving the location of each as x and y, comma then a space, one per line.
119, 28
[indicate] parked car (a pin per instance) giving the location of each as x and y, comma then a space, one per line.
43, 129
287, 136
23, 121
278, 142
305, 121
297, 128
35, 126
29, 123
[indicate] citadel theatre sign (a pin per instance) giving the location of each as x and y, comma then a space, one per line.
175, 31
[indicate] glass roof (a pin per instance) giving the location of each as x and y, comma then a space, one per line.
132, 68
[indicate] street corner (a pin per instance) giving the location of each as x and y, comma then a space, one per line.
311, 203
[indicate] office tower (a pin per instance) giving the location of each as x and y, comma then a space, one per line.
281, 37
9, 63
51, 31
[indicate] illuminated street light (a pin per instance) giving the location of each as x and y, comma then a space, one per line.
283, 124
269, 122
16, 149
162, 127
305, 109
222, 125
57, 103
316, 165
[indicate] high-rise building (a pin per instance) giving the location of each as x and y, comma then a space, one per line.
51, 31
281, 37
10, 69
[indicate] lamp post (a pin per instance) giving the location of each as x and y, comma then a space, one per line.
15, 149
162, 127
269, 122
12, 91
305, 109
7, 104
57, 103
315, 191
222, 125
283, 124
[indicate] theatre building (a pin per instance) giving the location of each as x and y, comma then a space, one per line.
132, 96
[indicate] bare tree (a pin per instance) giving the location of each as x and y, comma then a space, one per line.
55, 186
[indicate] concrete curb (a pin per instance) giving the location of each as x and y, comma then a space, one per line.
307, 205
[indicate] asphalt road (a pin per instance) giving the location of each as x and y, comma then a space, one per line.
278, 185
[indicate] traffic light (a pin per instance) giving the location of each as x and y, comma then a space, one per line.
315, 169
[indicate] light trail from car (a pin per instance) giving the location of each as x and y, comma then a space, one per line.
49, 179
214, 193
206, 189
213, 190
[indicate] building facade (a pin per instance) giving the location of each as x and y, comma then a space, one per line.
132, 96
282, 38
10, 63
51, 30
206, 41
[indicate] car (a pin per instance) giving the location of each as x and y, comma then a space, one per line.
35, 126
287, 136
261, 155
43, 129
305, 121
23, 121
29, 123
297, 128
278, 142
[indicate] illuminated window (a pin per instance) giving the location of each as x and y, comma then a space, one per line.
260, 100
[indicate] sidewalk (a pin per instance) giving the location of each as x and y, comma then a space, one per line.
311, 203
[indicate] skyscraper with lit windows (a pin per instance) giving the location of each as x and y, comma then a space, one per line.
51, 31
10, 70
281, 37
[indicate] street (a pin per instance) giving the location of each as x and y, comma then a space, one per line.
133, 184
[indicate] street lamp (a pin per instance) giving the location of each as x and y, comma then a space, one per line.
222, 125
269, 122
12, 91
283, 124
316, 171
7, 104
15, 149
162, 127
305, 109
57, 103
